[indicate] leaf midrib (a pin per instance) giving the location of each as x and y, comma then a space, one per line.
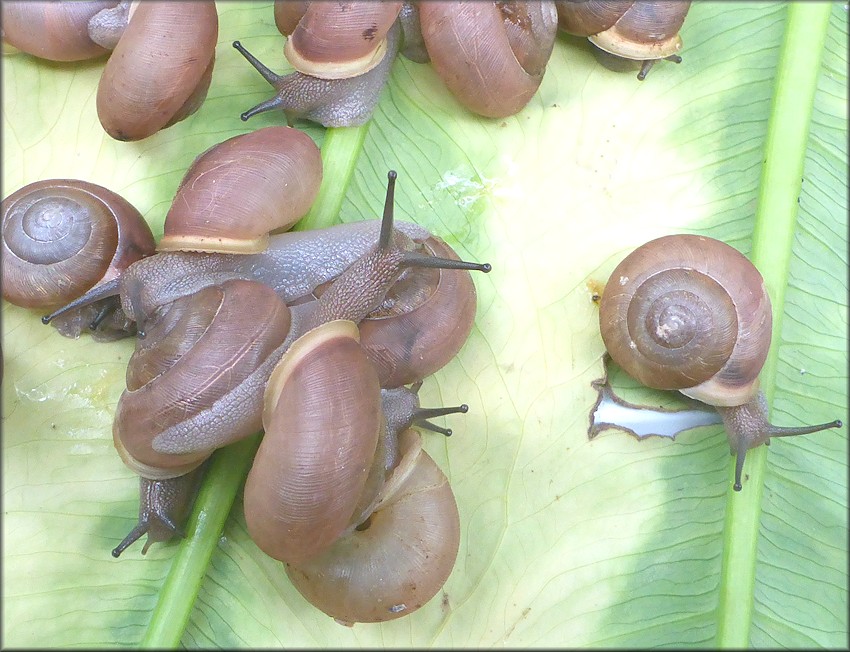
773, 237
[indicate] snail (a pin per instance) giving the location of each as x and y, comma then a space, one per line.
160, 69
364, 520
627, 34
691, 313
342, 54
491, 55
162, 441
238, 191
62, 237
57, 31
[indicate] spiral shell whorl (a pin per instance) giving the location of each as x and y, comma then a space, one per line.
63, 236
688, 313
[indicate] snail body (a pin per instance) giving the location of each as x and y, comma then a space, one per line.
641, 31
691, 313
342, 54
160, 70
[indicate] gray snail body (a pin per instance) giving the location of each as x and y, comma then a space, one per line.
342, 54
692, 314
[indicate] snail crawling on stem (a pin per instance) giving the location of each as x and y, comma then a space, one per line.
691, 313
627, 34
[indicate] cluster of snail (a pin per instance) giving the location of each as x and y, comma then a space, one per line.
491, 55
322, 339
311, 336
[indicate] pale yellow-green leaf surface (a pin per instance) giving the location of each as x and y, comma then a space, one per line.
565, 541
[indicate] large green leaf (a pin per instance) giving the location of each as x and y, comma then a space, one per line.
566, 541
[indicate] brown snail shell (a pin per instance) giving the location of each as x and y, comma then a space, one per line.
335, 40
160, 70
492, 56
57, 31
287, 13
399, 558
322, 420
690, 313
238, 191
200, 348
61, 237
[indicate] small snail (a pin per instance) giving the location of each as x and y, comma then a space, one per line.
627, 34
491, 55
342, 54
160, 69
691, 313
62, 237
361, 544
57, 31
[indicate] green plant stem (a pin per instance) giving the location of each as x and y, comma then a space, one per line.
773, 237
230, 465
340, 150
226, 472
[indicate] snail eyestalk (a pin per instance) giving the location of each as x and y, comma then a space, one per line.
268, 105
102, 291
421, 416
776, 431
107, 309
414, 259
387, 219
647, 65
267, 74
276, 102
